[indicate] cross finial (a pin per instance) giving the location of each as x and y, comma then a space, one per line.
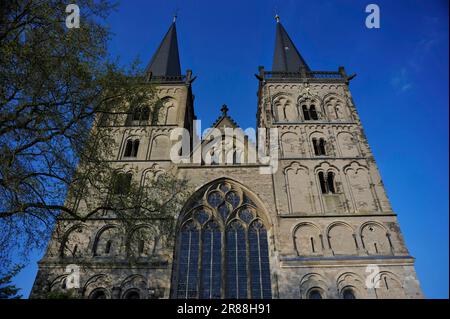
224, 109
277, 17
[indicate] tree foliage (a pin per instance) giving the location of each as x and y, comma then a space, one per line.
55, 85
7, 289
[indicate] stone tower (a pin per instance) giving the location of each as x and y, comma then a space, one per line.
334, 219
319, 226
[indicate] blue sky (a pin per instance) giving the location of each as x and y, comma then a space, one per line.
401, 88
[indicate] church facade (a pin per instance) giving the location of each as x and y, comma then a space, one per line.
319, 226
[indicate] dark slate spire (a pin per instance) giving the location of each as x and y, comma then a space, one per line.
166, 61
286, 57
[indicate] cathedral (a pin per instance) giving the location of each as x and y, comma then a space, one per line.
317, 224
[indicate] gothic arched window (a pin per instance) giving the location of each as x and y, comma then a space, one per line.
211, 261
236, 261
222, 247
259, 261
188, 251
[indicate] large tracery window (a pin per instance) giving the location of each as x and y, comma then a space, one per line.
222, 247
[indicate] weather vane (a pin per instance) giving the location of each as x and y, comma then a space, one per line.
175, 15
277, 17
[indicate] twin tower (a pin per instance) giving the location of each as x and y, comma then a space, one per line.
320, 226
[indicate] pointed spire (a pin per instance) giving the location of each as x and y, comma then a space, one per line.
166, 61
286, 57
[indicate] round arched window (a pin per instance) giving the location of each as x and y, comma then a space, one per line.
133, 294
348, 294
315, 294
98, 294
